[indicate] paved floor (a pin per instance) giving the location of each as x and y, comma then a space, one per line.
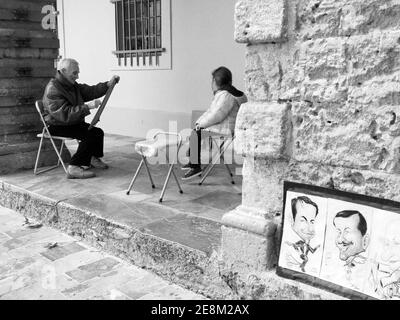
31, 269
192, 218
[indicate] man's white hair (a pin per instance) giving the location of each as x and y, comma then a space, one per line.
66, 63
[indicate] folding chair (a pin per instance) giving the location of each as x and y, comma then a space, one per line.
46, 135
219, 155
151, 148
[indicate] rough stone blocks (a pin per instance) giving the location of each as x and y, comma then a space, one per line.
263, 185
260, 21
244, 251
262, 130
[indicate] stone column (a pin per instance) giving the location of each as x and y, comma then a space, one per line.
27, 55
262, 138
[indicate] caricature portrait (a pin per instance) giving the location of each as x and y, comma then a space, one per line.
386, 274
352, 238
298, 240
352, 241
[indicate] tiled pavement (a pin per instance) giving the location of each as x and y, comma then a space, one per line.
29, 269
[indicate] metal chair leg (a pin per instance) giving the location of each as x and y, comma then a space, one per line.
221, 150
61, 150
177, 181
230, 173
166, 183
134, 177
38, 155
58, 154
148, 171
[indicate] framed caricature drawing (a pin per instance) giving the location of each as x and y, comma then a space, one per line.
344, 242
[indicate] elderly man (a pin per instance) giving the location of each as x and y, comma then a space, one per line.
65, 111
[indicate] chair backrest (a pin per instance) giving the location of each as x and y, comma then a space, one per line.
40, 109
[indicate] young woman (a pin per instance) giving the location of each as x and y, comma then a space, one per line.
220, 117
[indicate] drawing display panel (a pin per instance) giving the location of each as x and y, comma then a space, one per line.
343, 242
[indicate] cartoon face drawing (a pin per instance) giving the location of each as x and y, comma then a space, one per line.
389, 264
351, 238
304, 213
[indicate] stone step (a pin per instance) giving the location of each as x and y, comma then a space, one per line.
17, 110
33, 5
22, 92
13, 124
6, 149
27, 71
27, 42
34, 125
26, 53
23, 33
21, 63
18, 138
21, 25
19, 96
11, 101
23, 83
26, 160
21, 128
28, 115
21, 13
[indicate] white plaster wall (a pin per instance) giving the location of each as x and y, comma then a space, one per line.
202, 39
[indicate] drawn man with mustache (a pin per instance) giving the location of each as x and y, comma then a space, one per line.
352, 240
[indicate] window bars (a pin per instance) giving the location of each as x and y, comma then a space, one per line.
138, 32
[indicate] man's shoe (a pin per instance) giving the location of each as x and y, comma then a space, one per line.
75, 172
193, 172
186, 167
98, 163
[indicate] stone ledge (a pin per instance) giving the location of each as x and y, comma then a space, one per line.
249, 219
190, 268
186, 266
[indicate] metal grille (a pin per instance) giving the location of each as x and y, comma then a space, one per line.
138, 32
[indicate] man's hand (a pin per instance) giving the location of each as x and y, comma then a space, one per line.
197, 127
94, 104
114, 80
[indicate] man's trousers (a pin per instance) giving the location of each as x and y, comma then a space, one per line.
91, 141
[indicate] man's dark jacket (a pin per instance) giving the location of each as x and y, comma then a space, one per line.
64, 102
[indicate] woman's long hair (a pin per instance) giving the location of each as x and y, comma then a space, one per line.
223, 80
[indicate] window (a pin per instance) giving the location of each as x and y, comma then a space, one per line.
142, 33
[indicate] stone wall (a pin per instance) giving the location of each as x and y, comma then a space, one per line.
27, 54
323, 81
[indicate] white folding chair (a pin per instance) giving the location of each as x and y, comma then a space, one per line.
46, 135
227, 140
152, 148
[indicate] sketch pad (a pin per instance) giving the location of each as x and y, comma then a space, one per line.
96, 118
